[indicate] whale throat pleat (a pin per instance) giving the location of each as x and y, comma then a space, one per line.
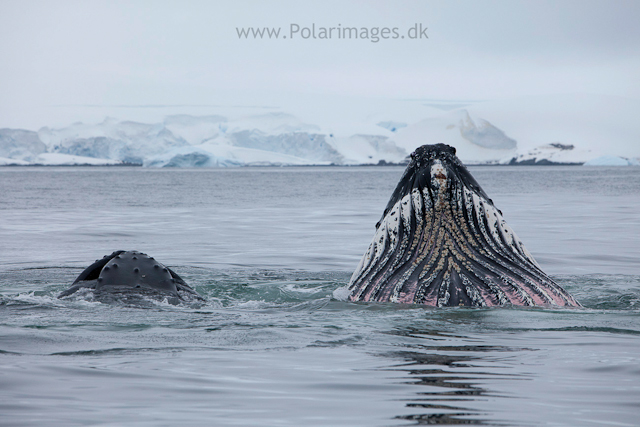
450, 249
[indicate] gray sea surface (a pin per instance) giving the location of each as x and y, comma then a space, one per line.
274, 345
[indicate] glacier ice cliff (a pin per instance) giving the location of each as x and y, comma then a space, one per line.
554, 129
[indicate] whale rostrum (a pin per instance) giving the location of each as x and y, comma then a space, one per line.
131, 272
442, 242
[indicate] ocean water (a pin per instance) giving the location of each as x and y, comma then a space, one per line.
273, 345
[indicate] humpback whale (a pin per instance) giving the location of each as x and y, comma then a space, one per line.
442, 242
131, 272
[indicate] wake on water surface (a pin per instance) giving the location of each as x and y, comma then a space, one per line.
233, 287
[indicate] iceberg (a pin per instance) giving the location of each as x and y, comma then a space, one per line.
20, 145
612, 161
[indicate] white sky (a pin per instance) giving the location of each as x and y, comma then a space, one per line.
93, 52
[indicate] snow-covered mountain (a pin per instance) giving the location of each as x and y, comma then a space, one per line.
476, 140
126, 141
536, 130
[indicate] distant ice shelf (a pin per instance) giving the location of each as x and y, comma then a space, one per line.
560, 129
612, 161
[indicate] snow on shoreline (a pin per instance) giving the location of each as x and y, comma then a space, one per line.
561, 129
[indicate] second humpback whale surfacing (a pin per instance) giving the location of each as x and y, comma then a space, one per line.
131, 272
442, 242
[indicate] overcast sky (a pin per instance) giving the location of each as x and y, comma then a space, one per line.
92, 52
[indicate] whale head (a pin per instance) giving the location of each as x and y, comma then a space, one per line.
442, 242
436, 171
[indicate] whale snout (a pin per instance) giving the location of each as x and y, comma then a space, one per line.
439, 175
131, 272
